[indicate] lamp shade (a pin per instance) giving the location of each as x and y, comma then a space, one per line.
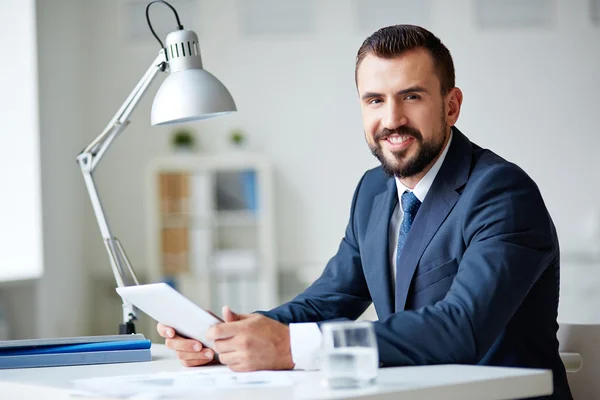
189, 93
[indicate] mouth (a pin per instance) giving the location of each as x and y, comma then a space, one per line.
397, 142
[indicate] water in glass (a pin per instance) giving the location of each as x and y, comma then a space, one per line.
349, 354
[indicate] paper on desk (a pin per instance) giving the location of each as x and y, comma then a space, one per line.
172, 384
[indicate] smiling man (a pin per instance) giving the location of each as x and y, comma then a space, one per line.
453, 244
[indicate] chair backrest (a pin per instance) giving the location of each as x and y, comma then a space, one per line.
583, 339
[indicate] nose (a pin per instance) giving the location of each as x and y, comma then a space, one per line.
394, 116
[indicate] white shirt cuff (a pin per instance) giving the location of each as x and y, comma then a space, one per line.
305, 341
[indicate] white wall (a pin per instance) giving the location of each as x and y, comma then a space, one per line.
63, 300
310, 127
44, 93
530, 95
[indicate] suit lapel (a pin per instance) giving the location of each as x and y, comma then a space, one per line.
375, 253
438, 203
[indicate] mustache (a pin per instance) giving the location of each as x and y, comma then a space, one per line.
403, 130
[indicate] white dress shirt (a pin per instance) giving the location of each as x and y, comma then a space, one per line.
305, 338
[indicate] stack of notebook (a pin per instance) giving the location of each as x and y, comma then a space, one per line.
81, 350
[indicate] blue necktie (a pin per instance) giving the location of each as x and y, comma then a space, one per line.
410, 206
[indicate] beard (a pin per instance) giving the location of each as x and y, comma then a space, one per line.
401, 166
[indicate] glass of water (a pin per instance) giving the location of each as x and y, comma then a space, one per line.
349, 356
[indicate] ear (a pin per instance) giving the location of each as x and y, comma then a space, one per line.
453, 100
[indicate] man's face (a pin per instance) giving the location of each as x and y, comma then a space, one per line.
404, 113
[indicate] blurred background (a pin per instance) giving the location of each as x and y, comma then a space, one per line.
259, 199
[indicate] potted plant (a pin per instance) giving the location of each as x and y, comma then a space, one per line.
183, 140
237, 137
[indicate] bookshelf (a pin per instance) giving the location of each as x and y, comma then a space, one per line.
211, 230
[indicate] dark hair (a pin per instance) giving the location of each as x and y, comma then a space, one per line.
393, 41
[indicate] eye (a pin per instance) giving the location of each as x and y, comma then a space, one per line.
374, 101
412, 97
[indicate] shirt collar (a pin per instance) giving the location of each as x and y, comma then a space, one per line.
425, 183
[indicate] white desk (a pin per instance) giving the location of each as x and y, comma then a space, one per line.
410, 383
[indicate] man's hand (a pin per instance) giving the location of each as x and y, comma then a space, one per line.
189, 351
251, 342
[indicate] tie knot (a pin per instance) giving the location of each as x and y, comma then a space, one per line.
410, 203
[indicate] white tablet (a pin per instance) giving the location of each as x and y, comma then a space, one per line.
166, 305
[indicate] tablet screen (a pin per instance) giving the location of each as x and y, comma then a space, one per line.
166, 305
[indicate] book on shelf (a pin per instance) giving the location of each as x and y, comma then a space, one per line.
174, 193
237, 190
175, 250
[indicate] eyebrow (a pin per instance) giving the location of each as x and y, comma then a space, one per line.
412, 89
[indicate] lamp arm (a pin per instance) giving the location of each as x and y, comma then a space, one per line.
119, 120
88, 160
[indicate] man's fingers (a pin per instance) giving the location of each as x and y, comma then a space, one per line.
226, 345
194, 363
223, 330
228, 315
181, 344
237, 361
241, 368
230, 358
165, 331
214, 315
206, 355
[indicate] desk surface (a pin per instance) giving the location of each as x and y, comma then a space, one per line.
413, 383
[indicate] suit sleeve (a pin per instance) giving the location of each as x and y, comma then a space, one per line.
510, 242
340, 292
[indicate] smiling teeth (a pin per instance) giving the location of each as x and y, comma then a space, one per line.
397, 139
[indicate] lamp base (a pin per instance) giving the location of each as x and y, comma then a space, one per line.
127, 328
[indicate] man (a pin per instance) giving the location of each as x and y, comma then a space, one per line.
452, 243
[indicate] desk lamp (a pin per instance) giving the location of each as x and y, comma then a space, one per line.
188, 93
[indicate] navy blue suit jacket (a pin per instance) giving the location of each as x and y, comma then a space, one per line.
477, 281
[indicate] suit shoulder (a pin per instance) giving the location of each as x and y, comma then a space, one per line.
374, 181
490, 168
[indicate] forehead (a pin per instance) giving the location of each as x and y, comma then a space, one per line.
412, 68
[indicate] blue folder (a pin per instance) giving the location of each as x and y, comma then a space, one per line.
78, 348
75, 354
